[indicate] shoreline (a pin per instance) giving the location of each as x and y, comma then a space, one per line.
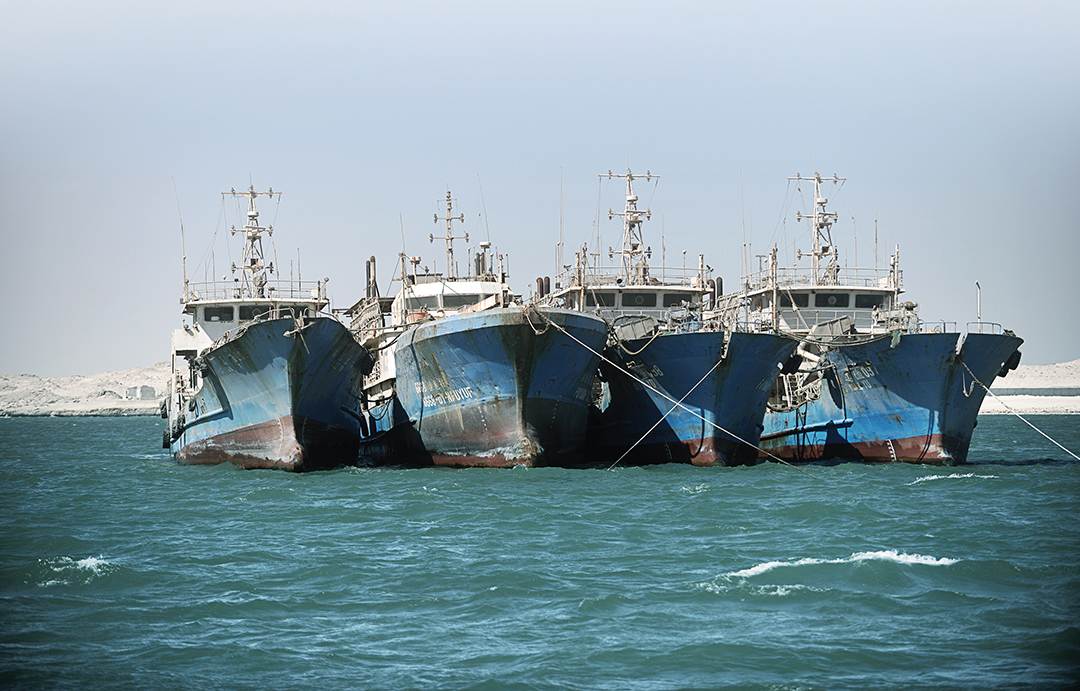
1002, 405
138, 392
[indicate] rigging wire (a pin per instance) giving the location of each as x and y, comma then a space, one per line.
669, 412
183, 243
672, 400
483, 205
974, 378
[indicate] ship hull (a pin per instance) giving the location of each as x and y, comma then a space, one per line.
497, 388
722, 405
272, 399
912, 401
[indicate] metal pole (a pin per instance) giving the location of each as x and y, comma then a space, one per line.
978, 304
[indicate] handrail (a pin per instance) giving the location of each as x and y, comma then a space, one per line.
845, 277
231, 290
608, 275
985, 327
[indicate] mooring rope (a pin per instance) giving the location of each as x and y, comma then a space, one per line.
869, 338
642, 349
672, 400
526, 311
1016, 413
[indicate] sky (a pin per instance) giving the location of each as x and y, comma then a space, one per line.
956, 124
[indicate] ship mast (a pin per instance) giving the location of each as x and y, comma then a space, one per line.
822, 221
253, 276
449, 218
633, 252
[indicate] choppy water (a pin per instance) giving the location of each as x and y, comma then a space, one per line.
121, 569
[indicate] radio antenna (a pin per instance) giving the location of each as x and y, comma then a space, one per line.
183, 243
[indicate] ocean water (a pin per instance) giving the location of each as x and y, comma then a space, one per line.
121, 569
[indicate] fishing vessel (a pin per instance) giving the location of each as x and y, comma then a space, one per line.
672, 386
263, 375
872, 381
466, 375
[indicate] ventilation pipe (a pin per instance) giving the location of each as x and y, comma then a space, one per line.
372, 289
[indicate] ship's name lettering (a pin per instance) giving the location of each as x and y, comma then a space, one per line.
449, 396
644, 371
860, 376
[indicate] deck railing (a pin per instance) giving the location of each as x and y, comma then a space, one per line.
984, 328
608, 275
843, 276
273, 289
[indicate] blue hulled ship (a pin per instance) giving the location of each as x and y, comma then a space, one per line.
263, 376
871, 380
465, 375
672, 386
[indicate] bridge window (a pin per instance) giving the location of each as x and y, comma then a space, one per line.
455, 301
217, 314
676, 299
639, 299
425, 302
249, 312
869, 301
831, 300
800, 299
592, 299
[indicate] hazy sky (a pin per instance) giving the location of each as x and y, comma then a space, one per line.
957, 125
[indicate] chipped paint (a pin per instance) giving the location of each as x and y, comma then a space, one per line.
913, 402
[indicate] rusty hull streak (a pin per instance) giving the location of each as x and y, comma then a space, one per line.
913, 402
486, 390
929, 450
267, 403
292, 443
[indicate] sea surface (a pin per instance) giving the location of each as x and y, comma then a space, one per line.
120, 569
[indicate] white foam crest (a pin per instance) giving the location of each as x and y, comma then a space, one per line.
893, 555
770, 565
94, 564
67, 570
784, 590
769, 590
885, 555
696, 489
954, 476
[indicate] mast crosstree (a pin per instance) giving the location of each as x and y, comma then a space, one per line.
822, 221
633, 252
253, 271
450, 237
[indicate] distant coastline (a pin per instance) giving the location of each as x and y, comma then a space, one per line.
134, 392
1030, 390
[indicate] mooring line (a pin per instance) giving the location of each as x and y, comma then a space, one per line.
976, 379
672, 400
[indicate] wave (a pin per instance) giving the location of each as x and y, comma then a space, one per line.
954, 476
66, 571
886, 555
765, 591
